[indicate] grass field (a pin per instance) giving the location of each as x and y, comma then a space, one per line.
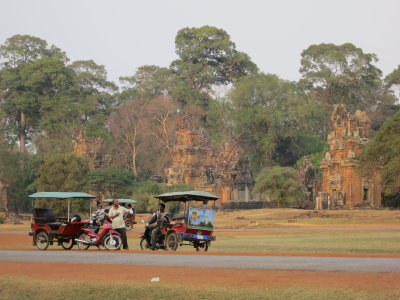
296, 231
18, 287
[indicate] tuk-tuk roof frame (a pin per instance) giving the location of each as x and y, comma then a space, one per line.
187, 196
127, 201
61, 195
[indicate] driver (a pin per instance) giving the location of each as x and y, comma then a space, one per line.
153, 223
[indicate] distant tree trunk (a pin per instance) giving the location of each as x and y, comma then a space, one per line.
22, 132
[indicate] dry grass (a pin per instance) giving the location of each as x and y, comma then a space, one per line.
267, 218
18, 287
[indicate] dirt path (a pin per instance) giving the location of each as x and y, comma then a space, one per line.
200, 277
325, 264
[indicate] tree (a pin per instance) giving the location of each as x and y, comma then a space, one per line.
63, 172
148, 82
382, 154
13, 177
392, 81
270, 117
207, 56
111, 181
129, 127
280, 184
33, 78
343, 74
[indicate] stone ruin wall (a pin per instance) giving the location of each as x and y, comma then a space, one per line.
217, 170
93, 151
341, 186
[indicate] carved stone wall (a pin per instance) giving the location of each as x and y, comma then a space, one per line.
341, 185
93, 151
221, 171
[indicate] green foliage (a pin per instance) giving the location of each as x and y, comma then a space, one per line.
281, 184
315, 155
148, 82
63, 172
144, 193
13, 172
207, 56
393, 78
2, 220
344, 74
271, 117
382, 154
111, 182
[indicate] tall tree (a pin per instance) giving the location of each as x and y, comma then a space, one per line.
392, 81
207, 56
63, 172
382, 154
129, 125
342, 74
32, 77
148, 82
280, 184
270, 116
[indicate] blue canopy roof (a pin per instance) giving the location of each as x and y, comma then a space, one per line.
187, 196
61, 195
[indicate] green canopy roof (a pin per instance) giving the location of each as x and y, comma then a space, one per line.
129, 201
187, 196
61, 195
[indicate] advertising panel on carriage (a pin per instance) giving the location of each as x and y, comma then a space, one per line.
201, 219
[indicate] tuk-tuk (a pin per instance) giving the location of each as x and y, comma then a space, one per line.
130, 219
194, 227
47, 228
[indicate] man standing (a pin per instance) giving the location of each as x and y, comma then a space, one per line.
116, 214
153, 223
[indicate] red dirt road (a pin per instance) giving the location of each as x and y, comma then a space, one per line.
201, 277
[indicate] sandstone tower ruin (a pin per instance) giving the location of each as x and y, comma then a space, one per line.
219, 170
93, 151
341, 186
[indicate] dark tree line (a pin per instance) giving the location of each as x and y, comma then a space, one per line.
44, 97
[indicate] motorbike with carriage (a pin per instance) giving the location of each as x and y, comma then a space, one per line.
48, 229
193, 227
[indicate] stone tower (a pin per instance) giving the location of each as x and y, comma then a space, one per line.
341, 184
93, 151
219, 170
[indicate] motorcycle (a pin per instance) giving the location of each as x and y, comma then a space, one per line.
100, 235
145, 239
130, 221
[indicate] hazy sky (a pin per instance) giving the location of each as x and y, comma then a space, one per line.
123, 35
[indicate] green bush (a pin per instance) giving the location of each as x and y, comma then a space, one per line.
2, 220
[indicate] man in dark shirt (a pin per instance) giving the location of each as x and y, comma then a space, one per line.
153, 223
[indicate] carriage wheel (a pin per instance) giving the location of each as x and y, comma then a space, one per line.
144, 245
129, 225
67, 244
42, 240
112, 242
171, 242
83, 246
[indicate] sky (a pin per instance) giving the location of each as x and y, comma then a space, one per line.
124, 35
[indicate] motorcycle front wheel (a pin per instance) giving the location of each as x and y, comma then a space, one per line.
128, 225
67, 244
144, 245
83, 246
112, 242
